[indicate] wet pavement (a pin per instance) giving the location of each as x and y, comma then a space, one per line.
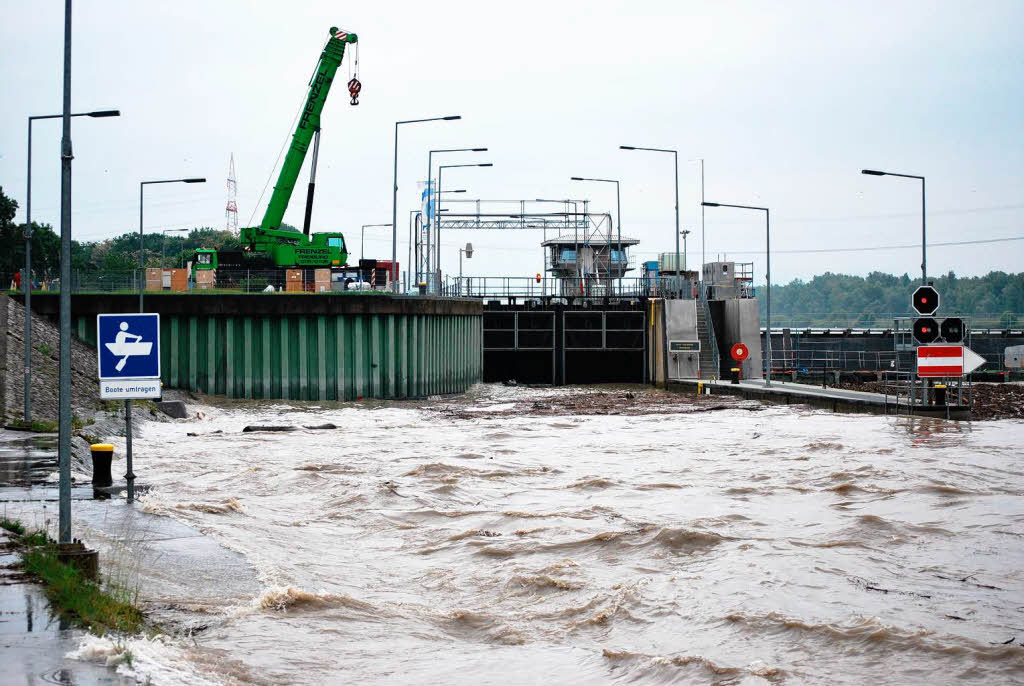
33, 641
178, 568
26, 458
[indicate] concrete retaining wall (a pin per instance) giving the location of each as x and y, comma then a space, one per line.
303, 347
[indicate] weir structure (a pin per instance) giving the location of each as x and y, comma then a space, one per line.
303, 347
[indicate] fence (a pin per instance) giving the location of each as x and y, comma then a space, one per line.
227, 281
884, 320
525, 287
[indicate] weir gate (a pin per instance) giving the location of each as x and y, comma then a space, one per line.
558, 343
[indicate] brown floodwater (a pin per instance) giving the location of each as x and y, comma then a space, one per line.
593, 536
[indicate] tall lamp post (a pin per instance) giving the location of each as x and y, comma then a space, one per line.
163, 245
684, 233
768, 282
618, 218
28, 249
433, 252
924, 242
675, 158
142, 186
394, 195
437, 207
703, 240
362, 236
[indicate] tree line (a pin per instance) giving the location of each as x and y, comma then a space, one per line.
109, 255
876, 293
880, 293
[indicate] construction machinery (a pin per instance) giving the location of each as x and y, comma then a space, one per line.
271, 247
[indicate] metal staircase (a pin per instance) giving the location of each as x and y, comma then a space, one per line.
709, 364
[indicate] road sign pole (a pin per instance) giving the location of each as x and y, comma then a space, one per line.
129, 475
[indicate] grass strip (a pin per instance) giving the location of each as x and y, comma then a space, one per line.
70, 592
14, 527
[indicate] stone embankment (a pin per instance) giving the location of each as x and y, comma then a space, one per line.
45, 351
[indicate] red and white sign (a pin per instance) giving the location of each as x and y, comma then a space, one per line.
946, 360
739, 352
341, 35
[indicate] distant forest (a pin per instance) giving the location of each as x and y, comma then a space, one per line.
877, 293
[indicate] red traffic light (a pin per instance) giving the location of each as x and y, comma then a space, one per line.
925, 300
925, 330
538, 278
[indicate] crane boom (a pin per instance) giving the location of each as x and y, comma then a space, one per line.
309, 122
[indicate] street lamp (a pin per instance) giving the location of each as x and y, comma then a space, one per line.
163, 245
362, 235
618, 215
468, 250
684, 233
703, 240
675, 157
142, 185
437, 208
394, 195
435, 251
28, 249
924, 257
768, 281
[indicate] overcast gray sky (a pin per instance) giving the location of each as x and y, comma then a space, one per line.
785, 101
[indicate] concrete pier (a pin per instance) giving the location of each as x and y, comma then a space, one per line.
834, 399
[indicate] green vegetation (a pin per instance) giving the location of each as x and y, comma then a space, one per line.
860, 301
73, 594
70, 592
14, 527
77, 423
120, 254
45, 349
44, 426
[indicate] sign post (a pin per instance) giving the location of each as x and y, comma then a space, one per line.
128, 356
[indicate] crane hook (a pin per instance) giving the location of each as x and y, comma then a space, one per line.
353, 89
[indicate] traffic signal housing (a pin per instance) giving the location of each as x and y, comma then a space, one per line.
952, 330
925, 300
925, 330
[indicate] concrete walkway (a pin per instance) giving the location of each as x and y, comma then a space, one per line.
172, 565
835, 399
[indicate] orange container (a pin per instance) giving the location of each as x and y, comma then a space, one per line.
179, 280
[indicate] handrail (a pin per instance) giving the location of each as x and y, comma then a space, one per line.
711, 332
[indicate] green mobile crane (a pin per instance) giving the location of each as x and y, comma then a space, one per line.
269, 246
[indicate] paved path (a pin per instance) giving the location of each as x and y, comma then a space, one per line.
836, 399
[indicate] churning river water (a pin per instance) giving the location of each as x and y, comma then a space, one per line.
527, 536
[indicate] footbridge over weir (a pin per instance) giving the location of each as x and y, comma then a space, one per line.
302, 346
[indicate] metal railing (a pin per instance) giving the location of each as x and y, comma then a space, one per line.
908, 392
226, 281
884, 320
712, 340
514, 286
